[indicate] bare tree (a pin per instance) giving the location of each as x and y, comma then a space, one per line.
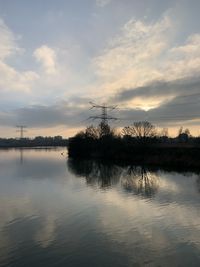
101, 130
104, 129
187, 131
140, 130
164, 132
92, 132
180, 131
184, 135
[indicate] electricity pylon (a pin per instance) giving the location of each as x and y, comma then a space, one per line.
21, 130
104, 113
103, 117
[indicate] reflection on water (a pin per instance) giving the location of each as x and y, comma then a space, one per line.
136, 179
140, 180
21, 150
198, 183
97, 173
87, 213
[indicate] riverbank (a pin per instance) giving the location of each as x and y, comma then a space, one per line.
168, 155
38, 141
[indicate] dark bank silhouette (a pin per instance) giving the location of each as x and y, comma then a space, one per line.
38, 141
140, 143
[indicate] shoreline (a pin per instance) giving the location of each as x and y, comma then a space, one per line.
31, 147
176, 156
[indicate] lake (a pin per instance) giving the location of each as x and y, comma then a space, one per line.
60, 212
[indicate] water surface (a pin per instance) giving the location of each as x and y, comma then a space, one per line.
59, 212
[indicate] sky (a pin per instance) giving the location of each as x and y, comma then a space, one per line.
57, 56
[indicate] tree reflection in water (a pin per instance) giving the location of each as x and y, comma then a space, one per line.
135, 179
198, 183
21, 150
139, 180
103, 175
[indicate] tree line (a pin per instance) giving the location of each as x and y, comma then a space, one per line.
141, 132
139, 141
37, 141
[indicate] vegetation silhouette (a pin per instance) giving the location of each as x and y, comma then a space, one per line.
38, 141
143, 131
140, 143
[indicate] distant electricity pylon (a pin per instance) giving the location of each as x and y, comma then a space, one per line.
21, 130
104, 113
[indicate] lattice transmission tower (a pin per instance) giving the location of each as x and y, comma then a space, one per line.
103, 117
21, 130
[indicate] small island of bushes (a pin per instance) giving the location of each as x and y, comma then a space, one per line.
140, 143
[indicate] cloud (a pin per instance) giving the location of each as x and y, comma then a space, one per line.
148, 76
102, 3
142, 68
47, 57
191, 46
12, 80
130, 57
183, 60
8, 44
161, 88
17, 86
175, 106
41, 116
178, 101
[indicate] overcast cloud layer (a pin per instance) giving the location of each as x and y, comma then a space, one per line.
56, 56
